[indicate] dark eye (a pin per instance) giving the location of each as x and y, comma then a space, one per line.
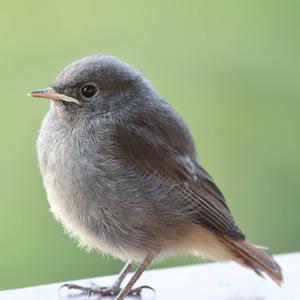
89, 90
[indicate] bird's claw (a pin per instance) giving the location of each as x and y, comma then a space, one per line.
105, 291
137, 291
101, 291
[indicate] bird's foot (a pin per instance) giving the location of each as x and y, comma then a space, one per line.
104, 291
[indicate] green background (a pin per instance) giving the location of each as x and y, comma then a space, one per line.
231, 69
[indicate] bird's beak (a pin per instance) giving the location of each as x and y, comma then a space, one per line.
50, 93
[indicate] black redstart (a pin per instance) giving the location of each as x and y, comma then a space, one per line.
121, 173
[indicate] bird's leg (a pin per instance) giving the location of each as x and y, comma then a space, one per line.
115, 289
103, 291
117, 284
127, 290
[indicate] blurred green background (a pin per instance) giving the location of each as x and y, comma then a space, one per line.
231, 69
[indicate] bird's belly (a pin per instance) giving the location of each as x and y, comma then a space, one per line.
70, 192
87, 226
78, 203
69, 209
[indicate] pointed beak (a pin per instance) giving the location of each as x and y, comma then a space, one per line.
51, 94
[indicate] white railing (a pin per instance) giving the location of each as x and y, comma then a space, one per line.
211, 281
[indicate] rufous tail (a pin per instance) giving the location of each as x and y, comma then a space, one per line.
254, 257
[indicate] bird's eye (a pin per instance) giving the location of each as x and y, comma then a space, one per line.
89, 90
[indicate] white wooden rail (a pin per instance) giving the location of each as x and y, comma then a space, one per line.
212, 281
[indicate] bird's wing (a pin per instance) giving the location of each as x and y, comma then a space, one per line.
144, 149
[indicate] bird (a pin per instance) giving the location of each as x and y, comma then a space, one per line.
122, 175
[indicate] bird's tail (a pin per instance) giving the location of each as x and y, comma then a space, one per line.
254, 257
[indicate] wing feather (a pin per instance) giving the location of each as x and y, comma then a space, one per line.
147, 151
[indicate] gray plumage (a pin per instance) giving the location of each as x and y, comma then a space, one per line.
121, 169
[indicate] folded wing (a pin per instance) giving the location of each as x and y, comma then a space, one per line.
148, 152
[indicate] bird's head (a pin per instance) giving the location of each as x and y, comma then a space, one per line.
95, 84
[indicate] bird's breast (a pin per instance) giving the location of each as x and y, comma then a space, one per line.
68, 179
